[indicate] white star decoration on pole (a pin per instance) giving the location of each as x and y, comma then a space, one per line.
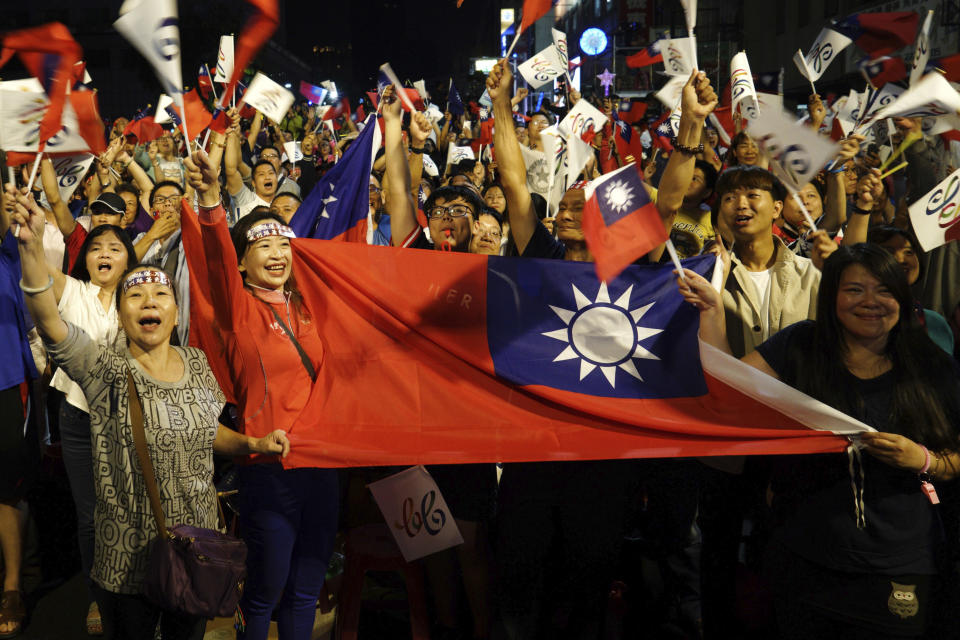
604, 335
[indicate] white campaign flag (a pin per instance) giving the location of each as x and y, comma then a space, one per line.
582, 121
23, 104
455, 154
770, 100
560, 42
153, 28
293, 151
268, 97
742, 91
797, 153
70, 171
161, 116
542, 68
848, 111
421, 87
678, 55
690, 13
575, 78
873, 102
921, 52
932, 97
566, 155
224, 60
331, 88
416, 513
824, 50
936, 216
671, 92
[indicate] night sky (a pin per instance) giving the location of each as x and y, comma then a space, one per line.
345, 41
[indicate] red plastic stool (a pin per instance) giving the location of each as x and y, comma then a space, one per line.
371, 548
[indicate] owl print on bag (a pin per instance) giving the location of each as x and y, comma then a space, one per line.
903, 600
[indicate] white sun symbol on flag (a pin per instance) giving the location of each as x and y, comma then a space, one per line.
604, 335
618, 195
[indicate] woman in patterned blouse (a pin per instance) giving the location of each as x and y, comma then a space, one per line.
181, 405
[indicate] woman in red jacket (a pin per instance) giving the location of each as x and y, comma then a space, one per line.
288, 517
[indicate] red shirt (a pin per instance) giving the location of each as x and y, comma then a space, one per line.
271, 383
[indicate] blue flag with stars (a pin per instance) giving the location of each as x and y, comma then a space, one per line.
337, 206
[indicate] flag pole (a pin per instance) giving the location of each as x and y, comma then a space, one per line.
213, 85
675, 259
33, 172
514, 43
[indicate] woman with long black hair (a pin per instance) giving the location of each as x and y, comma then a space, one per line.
856, 552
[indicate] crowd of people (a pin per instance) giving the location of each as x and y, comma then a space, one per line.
97, 294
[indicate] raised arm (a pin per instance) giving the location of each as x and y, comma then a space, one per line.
835, 203
140, 177
254, 132
225, 282
400, 204
863, 204
419, 132
513, 170
48, 178
231, 156
37, 283
696, 290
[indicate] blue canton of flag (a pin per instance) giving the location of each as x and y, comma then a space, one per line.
383, 81
173, 114
341, 199
626, 131
454, 102
551, 323
143, 113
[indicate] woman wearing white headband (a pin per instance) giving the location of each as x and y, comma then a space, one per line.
288, 517
181, 404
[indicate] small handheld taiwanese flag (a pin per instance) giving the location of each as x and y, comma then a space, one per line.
620, 222
204, 82
312, 92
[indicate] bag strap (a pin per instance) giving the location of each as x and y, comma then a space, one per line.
303, 354
140, 442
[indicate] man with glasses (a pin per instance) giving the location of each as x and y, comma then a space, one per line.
161, 246
468, 489
450, 212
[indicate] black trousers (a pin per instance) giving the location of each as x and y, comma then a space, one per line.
133, 617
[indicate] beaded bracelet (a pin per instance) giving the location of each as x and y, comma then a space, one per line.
689, 151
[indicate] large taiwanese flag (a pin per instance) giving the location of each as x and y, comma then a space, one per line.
880, 33
439, 358
337, 206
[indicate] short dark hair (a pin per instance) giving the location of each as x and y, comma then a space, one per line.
286, 194
748, 177
450, 192
263, 163
490, 211
128, 187
709, 174
80, 271
164, 183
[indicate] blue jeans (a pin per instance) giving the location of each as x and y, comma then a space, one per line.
78, 460
288, 518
